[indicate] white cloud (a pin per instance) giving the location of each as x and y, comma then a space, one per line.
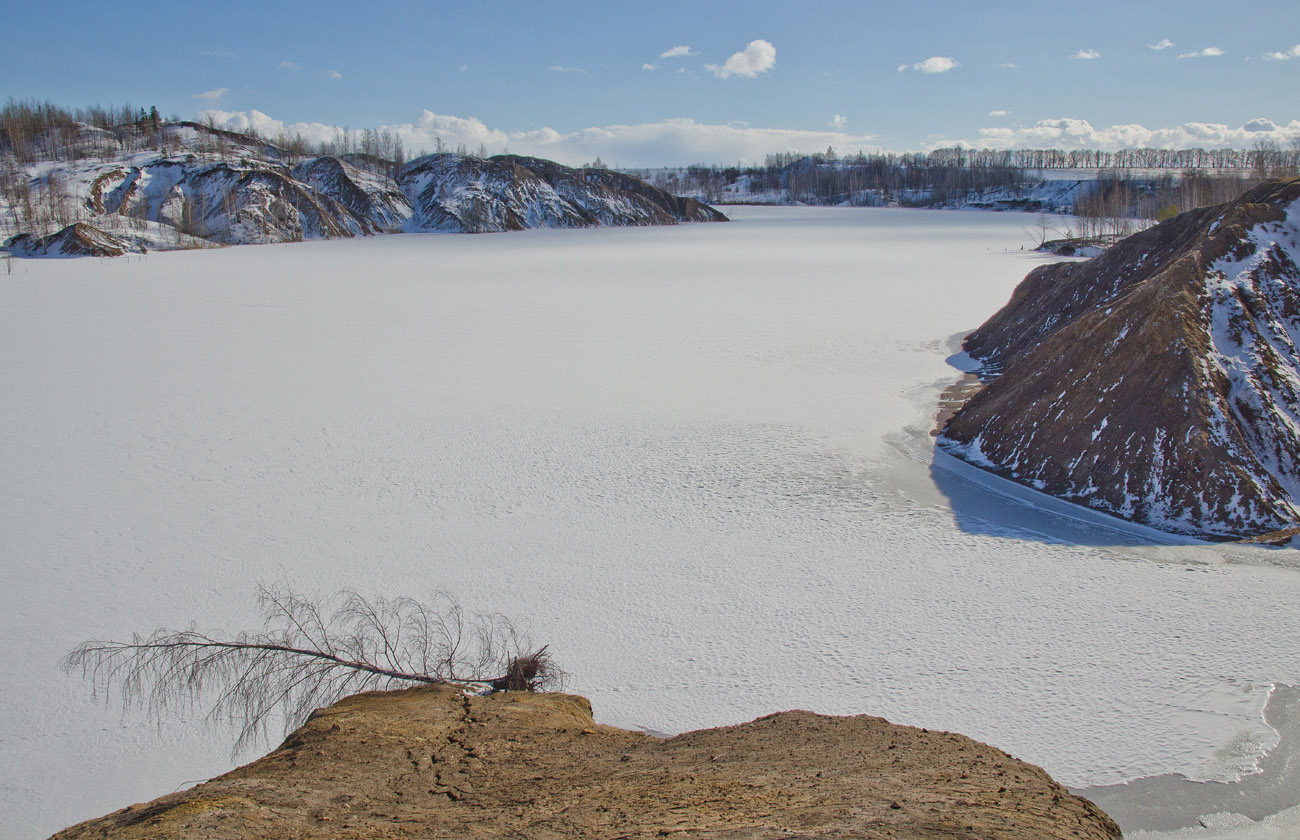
675, 142
1162, 44
1294, 52
211, 94
649, 66
758, 57
219, 53
289, 65
933, 64
1086, 55
998, 113
1260, 124
1070, 133
333, 74
838, 121
560, 68
1010, 65
1208, 52
677, 52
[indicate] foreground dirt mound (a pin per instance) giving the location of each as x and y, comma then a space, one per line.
431, 762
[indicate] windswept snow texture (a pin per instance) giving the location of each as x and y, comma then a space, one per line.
695, 458
1159, 382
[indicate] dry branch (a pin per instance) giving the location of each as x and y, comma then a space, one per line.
308, 656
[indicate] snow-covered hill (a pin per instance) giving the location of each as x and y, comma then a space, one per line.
1160, 381
509, 192
201, 186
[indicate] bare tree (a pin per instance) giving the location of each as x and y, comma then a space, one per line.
1041, 229
312, 653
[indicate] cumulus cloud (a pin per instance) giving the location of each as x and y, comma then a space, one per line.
838, 121
289, 65
933, 64
1260, 124
256, 120
1067, 133
678, 51
649, 66
1294, 52
1208, 52
211, 94
1086, 55
675, 142
758, 57
998, 113
1162, 44
333, 74
560, 68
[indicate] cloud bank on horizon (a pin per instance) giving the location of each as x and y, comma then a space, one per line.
683, 141
709, 82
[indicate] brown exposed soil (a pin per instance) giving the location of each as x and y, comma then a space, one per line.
1107, 392
76, 240
953, 398
431, 762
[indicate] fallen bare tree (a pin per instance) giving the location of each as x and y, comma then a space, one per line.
311, 654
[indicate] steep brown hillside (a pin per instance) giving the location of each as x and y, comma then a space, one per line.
1159, 382
431, 762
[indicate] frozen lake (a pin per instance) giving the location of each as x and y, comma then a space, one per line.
696, 459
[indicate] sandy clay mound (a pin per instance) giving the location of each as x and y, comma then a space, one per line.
432, 762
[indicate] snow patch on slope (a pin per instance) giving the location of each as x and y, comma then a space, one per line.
1254, 329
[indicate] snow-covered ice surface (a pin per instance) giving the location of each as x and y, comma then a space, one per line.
695, 458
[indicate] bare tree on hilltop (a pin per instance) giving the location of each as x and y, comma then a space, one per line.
311, 654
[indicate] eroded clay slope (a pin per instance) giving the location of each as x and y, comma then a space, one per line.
1159, 382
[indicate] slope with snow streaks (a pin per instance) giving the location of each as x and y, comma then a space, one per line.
510, 192
1159, 382
371, 197
76, 240
195, 185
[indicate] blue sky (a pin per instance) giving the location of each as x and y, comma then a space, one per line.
573, 80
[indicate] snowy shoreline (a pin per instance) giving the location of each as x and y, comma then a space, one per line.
1171, 802
1168, 806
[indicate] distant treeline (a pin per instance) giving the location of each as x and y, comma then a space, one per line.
1133, 183
1265, 154
31, 130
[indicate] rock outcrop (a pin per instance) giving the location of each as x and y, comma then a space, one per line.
76, 240
432, 762
1158, 382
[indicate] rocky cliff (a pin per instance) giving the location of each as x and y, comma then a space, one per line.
435, 763
204, 186
1160, 381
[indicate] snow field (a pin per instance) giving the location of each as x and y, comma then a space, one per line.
695, 459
